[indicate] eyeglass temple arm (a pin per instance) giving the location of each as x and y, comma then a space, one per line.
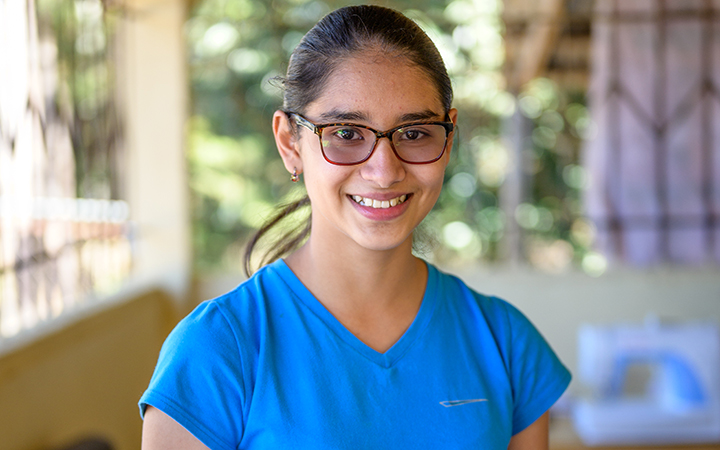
300, 120
449, 125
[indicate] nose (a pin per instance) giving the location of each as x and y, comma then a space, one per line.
383, 167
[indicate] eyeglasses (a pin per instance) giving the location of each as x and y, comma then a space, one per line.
346, 144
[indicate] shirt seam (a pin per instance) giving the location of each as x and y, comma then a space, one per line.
555, 392
242, 363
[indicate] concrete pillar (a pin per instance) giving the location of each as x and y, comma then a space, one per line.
152, 77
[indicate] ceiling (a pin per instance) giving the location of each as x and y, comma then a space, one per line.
549, 38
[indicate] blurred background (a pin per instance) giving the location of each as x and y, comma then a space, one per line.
136, 159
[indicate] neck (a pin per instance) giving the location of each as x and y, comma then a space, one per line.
351, 276
374, 294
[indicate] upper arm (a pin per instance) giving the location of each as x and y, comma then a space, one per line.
161, 431
534, 437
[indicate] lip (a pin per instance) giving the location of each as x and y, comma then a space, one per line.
382, 197
381, 214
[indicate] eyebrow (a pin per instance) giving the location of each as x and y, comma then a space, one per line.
339, 115
423, 115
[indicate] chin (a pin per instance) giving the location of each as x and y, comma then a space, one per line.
382, 243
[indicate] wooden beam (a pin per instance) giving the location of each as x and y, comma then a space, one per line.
544, 25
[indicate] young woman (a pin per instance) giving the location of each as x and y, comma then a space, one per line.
350, 341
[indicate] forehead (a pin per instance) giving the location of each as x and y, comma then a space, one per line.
378, 88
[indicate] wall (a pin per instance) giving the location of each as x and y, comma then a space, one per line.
85, 379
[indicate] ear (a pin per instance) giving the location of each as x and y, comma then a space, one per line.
453, 118
286, 142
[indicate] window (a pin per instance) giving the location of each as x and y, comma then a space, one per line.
64, 235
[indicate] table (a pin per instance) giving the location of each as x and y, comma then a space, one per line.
563, 437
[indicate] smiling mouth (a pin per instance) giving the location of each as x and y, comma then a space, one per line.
379, 204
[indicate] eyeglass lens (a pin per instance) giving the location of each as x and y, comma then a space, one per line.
347, 144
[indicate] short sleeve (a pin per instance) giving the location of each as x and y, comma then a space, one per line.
198, 379
537, 375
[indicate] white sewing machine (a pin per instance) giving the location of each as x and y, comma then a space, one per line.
651, 384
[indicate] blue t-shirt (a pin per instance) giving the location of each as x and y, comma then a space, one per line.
267, 366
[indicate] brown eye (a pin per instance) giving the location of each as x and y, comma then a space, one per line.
343, 135
347, 134
416, 133
411, 135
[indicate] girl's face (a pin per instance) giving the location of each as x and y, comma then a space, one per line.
382, 93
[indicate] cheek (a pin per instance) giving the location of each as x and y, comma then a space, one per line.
323, 180
306, 150
434, 179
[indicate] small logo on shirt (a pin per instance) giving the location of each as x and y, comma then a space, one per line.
449, 403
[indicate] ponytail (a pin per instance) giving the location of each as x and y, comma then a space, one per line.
286, 243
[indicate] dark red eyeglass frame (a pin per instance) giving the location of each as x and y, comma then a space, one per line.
317, 129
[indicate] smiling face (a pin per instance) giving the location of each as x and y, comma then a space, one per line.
376, 204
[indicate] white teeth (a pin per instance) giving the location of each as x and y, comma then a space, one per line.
366, 201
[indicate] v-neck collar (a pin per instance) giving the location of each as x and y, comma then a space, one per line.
394, 353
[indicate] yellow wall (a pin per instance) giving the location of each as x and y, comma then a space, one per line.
84, 380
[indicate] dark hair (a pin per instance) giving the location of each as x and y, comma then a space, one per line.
338, 36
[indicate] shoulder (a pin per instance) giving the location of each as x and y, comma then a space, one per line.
208, 364
512, 332
495, 310
228, 325
243, 306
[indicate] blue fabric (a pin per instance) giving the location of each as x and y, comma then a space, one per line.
267, 366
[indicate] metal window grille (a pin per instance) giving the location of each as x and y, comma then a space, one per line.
63, 224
